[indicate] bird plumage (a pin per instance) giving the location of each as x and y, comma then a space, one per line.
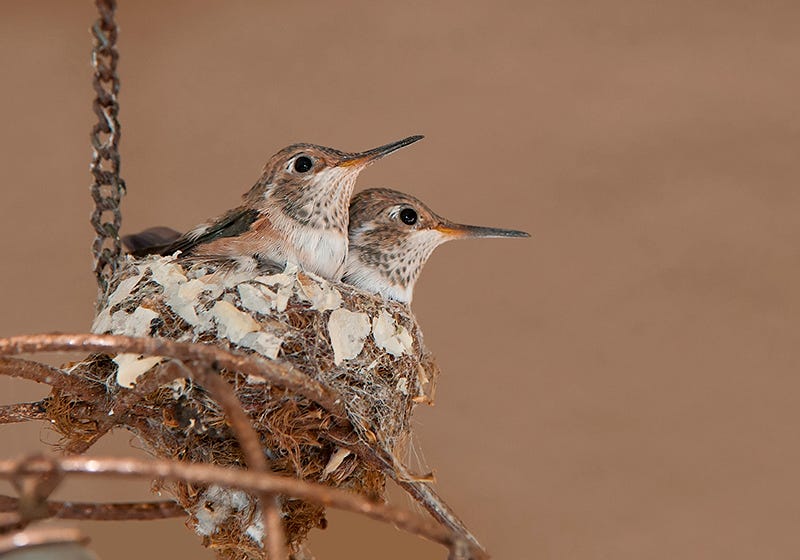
296, 212
392, 235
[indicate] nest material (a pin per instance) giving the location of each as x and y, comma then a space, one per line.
367, 350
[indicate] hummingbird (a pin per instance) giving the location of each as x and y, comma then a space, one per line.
296, 212
392, 234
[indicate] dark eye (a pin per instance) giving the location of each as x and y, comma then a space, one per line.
303, 164
409, 216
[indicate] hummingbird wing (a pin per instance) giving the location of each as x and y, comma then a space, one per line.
151, 241
232, 224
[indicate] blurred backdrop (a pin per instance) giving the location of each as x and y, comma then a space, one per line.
622, 385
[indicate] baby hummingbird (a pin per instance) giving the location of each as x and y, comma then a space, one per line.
297, 211
392, 234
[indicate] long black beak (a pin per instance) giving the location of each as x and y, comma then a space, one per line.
365, 158
464, 231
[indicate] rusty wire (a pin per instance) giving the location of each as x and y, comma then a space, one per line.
108, 511
207, 360
249, 481
280, 374
108, 187
195, 356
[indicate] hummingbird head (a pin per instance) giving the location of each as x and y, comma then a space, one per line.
392, 235
311, 185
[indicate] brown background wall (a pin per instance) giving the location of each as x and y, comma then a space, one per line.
623, 385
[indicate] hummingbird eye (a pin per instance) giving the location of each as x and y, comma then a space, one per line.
303, 164
409, 216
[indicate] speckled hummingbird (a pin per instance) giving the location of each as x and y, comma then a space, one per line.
297, 211
392, 234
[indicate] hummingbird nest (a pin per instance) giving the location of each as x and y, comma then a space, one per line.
366, 350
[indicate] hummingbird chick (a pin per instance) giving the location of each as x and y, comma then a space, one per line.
392, 234
297, 211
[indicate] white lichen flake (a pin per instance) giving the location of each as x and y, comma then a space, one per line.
347, 330
390, 336
133, 324
183, 299
215, 507
264, 343
123, 290
232, 323
131, 366
321, 294
337, 457
256, 298
166, 272
256, 530
402, 385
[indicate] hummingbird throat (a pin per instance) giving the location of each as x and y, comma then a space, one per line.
390, 265
313, 219
320, 203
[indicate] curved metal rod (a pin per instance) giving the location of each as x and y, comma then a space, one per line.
246, 480
280, 374
103, 511
207, 363
38, 372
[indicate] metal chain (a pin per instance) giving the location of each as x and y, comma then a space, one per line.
108, 187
